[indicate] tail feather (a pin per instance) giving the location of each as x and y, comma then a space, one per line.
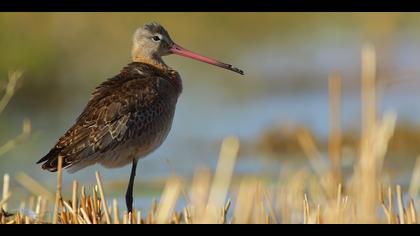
51, 160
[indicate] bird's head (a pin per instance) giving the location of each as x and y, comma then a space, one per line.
151, 42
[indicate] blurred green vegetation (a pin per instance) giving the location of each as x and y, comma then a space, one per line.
63, 52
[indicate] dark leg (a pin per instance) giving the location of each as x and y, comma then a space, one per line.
129, 194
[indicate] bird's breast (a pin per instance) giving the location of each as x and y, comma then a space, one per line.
155, 121
146, 131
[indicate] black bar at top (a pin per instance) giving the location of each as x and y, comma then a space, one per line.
208, 5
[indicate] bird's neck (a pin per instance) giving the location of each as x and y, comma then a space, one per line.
152, 60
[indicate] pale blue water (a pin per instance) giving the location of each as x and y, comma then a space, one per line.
198, 131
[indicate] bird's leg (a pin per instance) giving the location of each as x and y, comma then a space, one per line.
129, 193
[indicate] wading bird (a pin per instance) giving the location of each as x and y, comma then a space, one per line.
129, 115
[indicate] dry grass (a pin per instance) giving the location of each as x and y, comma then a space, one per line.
303, 197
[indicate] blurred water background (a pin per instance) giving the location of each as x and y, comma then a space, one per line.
287, 58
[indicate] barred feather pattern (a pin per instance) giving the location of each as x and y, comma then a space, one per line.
127, 117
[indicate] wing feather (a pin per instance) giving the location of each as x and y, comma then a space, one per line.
103, 123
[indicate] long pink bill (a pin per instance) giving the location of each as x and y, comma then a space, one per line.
176, 49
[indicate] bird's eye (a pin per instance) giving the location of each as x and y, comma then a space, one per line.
156, 38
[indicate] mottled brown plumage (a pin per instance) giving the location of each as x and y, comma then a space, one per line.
134, 108
129, 115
